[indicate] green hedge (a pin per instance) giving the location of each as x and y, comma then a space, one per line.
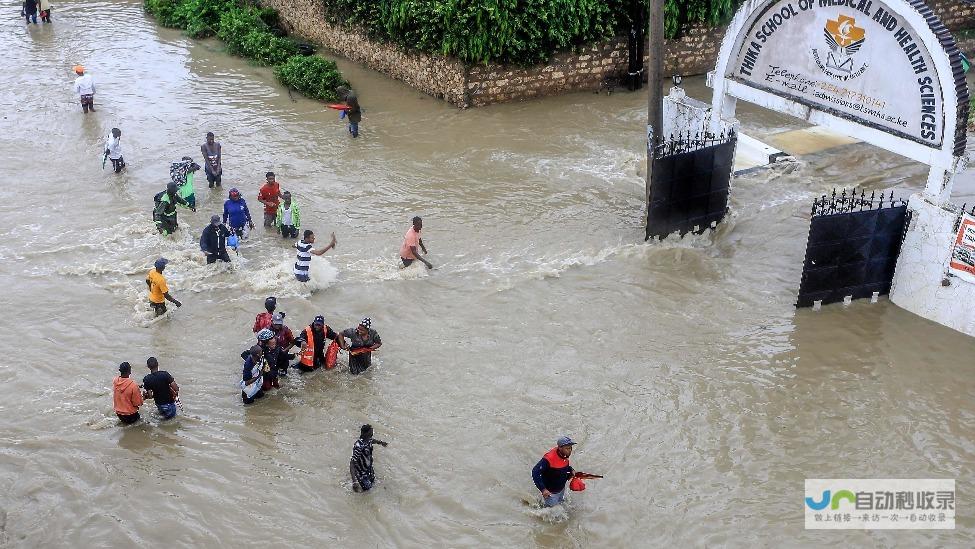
250, 31
522, 32
313, 76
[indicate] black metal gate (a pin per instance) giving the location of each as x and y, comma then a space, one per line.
689, 183
852, 248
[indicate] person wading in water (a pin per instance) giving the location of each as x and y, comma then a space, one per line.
312, 343
360, 466
160, 386
362, 341
126, 395
408, 252
158, 289
212, 159
305, 251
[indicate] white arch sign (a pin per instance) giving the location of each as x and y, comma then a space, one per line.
885, 72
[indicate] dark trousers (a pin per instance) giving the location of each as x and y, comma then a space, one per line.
128, 419
118, 164
221, 255
88, 102
283, 362
359, 363
289, 231
213, 179
246, 400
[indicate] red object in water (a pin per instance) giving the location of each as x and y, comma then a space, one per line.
339, 107
331, 355
576, 484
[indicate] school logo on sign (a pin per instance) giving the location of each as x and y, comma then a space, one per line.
844, 39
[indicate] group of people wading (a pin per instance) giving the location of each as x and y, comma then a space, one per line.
269, 359
318, 347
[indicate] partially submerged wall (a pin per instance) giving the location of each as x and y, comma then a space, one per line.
593, 68
922, 269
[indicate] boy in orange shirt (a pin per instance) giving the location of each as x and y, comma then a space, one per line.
127, 395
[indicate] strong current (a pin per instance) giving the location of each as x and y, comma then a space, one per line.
682, 368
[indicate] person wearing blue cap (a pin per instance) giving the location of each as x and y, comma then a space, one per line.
158, 289
553, 471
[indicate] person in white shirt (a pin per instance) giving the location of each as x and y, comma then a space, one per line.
113, 150
84, 86
288, 218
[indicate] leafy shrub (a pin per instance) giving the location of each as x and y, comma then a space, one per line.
268, 49
235, 24
251, 32
312, 76
166, 12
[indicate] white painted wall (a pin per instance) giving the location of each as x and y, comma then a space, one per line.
683, 114
923, 264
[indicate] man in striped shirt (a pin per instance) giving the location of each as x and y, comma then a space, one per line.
305, 251
360, 466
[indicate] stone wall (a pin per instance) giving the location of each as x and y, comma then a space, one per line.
591, 68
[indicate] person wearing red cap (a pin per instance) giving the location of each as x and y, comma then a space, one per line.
236, 214
553, 471
84, 86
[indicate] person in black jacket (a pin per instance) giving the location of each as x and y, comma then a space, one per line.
213, 241
552, 472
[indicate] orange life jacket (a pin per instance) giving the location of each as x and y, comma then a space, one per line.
308, 355
555, 460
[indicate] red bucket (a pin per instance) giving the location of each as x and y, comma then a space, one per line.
576, 484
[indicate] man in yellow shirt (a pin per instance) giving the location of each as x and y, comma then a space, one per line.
158, 290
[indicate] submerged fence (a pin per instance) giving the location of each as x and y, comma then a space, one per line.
853, 244
689, 183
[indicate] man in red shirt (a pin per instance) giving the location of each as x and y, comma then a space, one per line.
263, 320
270, 195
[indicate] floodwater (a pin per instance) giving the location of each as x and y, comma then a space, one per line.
681, 368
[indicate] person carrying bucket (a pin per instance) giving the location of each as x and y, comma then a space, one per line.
553, 471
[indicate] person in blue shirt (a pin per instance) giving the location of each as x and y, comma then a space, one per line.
552, 472
236, 214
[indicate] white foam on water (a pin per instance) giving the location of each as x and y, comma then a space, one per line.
99, 422
278, 278
381, 269
554, 514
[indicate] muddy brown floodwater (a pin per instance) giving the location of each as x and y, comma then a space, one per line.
682, 368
